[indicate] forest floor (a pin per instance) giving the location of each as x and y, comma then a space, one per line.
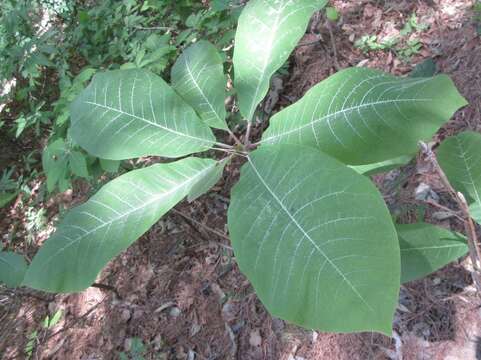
177, 293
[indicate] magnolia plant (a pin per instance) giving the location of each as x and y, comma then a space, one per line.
309, 230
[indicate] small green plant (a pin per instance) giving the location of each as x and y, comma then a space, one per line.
8, 187
332, 13
412, 47
309, 230
136, 352
34, 338
371, 43
477, 15
412, 25
404, 45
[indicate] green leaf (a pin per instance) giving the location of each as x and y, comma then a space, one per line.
198, 76
208, 180
316, 240
362, 116
12, 268
424, 69
426, 248
120, 212
383, 166
55, 163
460, 158
475, 212
6, 197
55, 318
125, 114
267, 32
111, 166
78, 164
332, 14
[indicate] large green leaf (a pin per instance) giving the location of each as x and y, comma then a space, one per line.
12, 268
93, 233
362, 116
316, 240
125, 114
383, 166
198, 76
460, 158
208, 180
426, 248
267, 32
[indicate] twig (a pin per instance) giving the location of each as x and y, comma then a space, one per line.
108, 288
333, 45
233, 352
231, 151
232, 135
442, 207
191, 220
308, 43
474, 251
89, 311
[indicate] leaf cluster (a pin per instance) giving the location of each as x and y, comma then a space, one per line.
309, 229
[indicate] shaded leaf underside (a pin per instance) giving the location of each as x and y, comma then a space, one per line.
426, 248
12, 268
460, 158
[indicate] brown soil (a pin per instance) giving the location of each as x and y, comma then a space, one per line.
179, 289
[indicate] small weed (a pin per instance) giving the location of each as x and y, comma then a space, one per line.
405, 45
477, 16
8, 187
34, 338
136, 352
36, 222
412, 26
413, 47
371, 43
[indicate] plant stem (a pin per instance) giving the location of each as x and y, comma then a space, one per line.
232, 135
231, 151
222, 145
248, 134
108, 288
474, 251
435, 204
333, 44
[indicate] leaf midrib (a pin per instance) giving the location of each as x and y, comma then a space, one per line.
149, 122
307, 236
189, 71
264, 65
144, 205
336, 113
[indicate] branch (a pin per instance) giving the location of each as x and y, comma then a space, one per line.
474, 251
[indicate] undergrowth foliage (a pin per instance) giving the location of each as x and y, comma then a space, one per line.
309, 229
